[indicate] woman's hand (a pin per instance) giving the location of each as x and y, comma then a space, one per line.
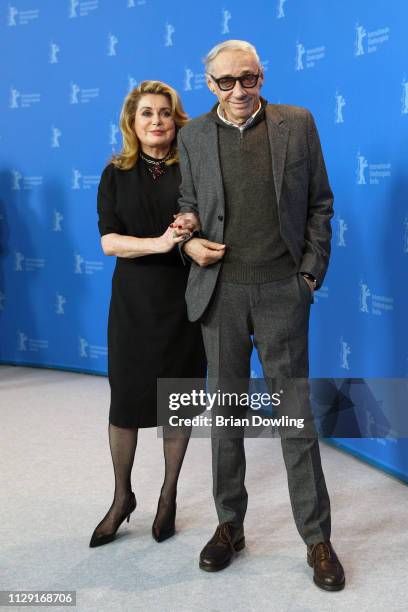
171, 237
187, 221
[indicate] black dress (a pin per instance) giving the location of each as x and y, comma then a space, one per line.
149, 335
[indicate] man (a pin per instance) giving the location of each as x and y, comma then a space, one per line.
253, 175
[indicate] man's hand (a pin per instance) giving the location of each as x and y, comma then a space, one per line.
188, 221
310, 283
204, 252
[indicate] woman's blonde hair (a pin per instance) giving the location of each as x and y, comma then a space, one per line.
129, 154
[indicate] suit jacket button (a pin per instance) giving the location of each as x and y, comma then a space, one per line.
220, 217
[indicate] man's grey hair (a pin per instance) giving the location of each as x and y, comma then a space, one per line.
230, 45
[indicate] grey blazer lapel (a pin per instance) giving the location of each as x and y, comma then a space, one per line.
278, 139
211, 160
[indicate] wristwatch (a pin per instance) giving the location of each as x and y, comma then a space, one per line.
311, 278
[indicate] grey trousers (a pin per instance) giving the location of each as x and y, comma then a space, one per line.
277, 315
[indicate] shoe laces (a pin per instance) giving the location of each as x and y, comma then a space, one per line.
321, 550
223, 533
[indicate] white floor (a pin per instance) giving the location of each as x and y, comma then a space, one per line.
57, 483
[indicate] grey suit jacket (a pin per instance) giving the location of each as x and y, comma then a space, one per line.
305, 200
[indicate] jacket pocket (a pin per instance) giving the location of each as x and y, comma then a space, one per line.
295, 164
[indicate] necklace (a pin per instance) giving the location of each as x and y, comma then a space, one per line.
156, 167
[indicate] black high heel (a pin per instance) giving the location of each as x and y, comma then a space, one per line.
99, 540
168, 527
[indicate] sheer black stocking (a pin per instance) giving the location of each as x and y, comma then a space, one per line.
122, 443
175, 442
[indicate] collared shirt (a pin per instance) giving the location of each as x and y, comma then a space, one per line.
244, 125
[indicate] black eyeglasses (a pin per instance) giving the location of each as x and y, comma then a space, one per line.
228, 82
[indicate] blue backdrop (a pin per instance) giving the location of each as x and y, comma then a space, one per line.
67, 66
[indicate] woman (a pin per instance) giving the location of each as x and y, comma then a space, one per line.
149, 335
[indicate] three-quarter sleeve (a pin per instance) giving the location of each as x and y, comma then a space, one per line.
108, 221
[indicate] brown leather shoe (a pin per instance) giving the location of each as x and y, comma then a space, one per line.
218, 552
328, 571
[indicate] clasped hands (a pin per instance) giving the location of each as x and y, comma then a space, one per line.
202, 252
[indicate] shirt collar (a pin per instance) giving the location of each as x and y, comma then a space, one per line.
244, 125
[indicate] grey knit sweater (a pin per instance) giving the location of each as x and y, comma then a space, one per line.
255, 250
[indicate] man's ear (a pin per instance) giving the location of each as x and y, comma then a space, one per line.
210, 86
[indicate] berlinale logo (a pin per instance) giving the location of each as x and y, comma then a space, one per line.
78, 263
280, 12
112, 42
83, 347
168, 36
340, 104
300, 51
16, 178
54, 50
113, 132
59, 304
342, 228
345, 351
364, 295
12, 14
55, 137
76, 176
22, 341
361, 33
188, 76
14, 98
404, 98
405, 238
58, 217
18, 261
362, 165
226, 18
